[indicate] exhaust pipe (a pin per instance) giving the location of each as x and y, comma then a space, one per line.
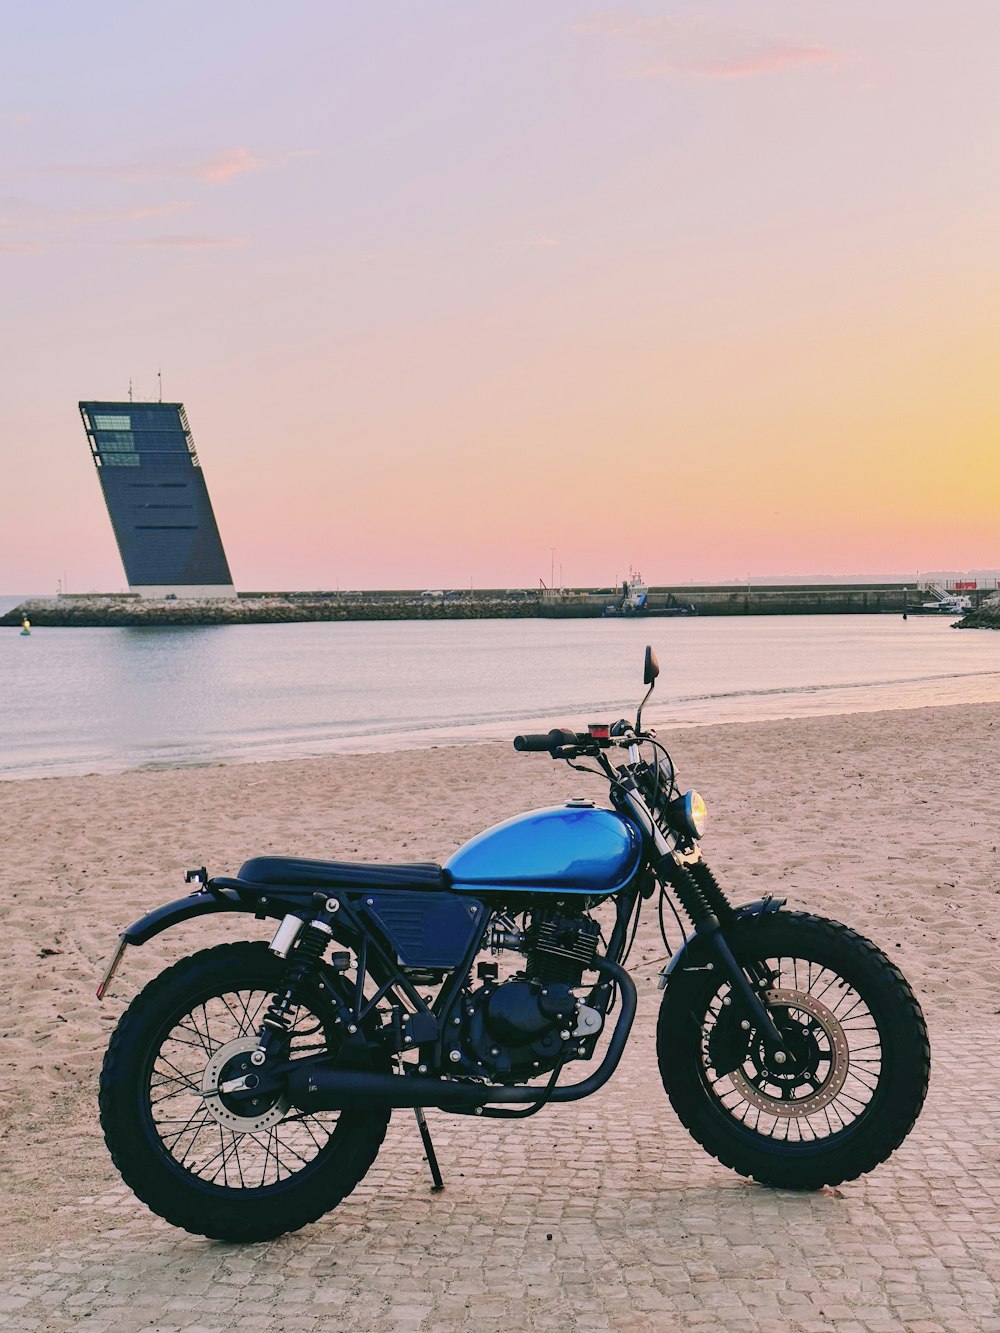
317, 1089
313, 1084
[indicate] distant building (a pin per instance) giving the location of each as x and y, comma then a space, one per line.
157, 499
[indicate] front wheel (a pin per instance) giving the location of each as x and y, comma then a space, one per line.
230, 1168
857, 1057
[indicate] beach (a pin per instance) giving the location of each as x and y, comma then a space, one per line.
599, 1215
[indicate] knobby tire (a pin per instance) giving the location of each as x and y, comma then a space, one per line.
683, 1053
139, 1152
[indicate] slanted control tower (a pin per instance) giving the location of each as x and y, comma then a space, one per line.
156, 495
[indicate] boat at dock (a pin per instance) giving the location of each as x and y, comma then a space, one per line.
633, 600
942, 604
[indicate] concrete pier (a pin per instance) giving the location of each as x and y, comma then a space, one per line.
125, 609
741, 599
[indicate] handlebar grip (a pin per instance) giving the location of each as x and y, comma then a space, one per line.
558, 736
551, 741
532, 741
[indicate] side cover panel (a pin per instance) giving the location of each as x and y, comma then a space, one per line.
425, 929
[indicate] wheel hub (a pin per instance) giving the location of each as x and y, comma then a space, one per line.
243, 1114
814, 1039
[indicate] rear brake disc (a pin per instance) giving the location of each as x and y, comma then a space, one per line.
226, 1109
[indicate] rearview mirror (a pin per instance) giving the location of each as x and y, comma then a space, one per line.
652, 668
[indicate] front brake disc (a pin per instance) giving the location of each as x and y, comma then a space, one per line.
765, 1076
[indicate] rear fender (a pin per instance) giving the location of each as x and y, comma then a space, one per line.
690, 955
216, 896
183, 909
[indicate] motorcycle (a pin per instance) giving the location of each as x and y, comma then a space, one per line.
247, 1089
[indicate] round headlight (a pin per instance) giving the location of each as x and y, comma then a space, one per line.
695, 813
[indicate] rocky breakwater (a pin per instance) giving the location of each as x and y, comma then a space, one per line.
129, 611
987, 616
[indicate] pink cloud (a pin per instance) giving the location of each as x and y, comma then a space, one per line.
26, 226
229, 165
217, 170
702, 48
188, 242
156, 211
768, 60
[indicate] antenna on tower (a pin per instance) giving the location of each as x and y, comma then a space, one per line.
130, 388
159, 381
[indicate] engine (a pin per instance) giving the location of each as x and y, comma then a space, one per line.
559, 948
523, 1026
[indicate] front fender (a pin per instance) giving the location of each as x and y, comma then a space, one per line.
760, 907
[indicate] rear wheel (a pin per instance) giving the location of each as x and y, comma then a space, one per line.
857, 1058
233, 1168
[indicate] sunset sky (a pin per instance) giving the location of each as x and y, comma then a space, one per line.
712, 289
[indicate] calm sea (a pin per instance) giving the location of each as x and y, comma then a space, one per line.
86, 700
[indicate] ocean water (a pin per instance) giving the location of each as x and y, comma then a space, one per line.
92, 700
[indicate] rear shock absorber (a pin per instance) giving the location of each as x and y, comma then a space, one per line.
309, 949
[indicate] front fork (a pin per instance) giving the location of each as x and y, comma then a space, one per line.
744, 995
710, 912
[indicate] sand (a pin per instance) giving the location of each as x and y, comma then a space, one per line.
885, 821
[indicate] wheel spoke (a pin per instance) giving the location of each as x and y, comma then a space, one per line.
841, 1017
241, 1027
194, 1138
186, 1085
203, 1037
170, 1139
179, 1076
288, 1147
305, 1125
255, 1148
239, 1165
267, 1154
182, 1041
837, 1048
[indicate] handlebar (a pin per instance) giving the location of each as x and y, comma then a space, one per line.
552, 740
557, 740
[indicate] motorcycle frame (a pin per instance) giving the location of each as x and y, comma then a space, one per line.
437, 1087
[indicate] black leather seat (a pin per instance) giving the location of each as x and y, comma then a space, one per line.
297, 872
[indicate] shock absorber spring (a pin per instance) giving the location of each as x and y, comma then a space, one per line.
309, 949
312, 943
276, 1018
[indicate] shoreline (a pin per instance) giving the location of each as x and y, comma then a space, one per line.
436, 742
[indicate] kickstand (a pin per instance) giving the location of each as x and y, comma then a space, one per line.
432, 1160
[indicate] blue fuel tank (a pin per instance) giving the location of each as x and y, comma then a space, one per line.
559, 850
